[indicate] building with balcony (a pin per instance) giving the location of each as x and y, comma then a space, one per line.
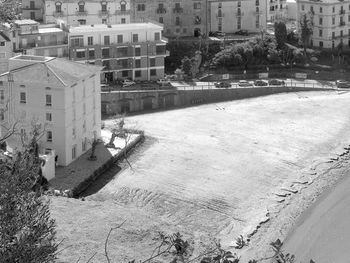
31, 38
277, 10
232, 16
331, 22
61, 95
179, 18
33, 9
135, 51
87, 12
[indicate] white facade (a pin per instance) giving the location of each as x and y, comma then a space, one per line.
331, 22
87, 12
277, 10
231, 16
63, 96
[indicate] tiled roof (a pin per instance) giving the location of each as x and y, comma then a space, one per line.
114, 27
54, 71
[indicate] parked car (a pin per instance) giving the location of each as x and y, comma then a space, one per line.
163, 82
342, 84
244, 83
216, 34
127, 83
222, 85
276, 82
242, 32
260, 82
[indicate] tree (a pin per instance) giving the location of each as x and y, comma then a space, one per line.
27, 233
306, 29
186, 65
280, 34
9, 10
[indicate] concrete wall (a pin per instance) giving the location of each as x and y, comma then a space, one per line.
137, 101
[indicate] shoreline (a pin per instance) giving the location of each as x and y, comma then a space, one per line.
287, 220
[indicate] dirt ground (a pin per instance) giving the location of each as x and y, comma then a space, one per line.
212, 171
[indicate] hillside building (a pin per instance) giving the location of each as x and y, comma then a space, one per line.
331, 22
61, 95
135, 51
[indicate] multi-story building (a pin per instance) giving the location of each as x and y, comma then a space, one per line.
29, 37
33, 9
87, 12
276, 10
135, 51
180, 17
231, 16
62, 95
331, 22
5, 51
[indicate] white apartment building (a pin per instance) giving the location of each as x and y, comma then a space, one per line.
135, 51
331, 22
88, 12
231, 16
61, 95
277, 10
5, 51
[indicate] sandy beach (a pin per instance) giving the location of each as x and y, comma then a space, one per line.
245, 167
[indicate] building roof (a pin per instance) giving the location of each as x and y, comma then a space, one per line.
49, 30
53, 71
25, 22
4, 36
114, 27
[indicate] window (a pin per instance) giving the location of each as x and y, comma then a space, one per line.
120, 38
48, 100
105, 52
81, 54
84, 108
77, 42
82, 21
2, 96
106, 40
23, 98
341, 33
90, 41
83, 145
81, 5
138, 63
123, 21
137, 73
49, 136
320, 33
58, 6
153, 72
157, 36
333, 34
104, 21
74, 152
135, 38
348, 18
125, 73
177, 21
256, 2
302, 7
239, 23
122, 6
91, 53
84, 126
48, 116
333, 20
320, 20
321, 43
161, 20
73, 132
137, 51
2, 43
2, 115
152, 62
257, 22
197, 20
220, 5
104, 6
333, 10
321, 10
197, 5
141, 7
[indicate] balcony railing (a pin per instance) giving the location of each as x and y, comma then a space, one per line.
58, 14
342, 23
122, 13
161, 11
342, 12
178, 10
103, 13
81, 13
